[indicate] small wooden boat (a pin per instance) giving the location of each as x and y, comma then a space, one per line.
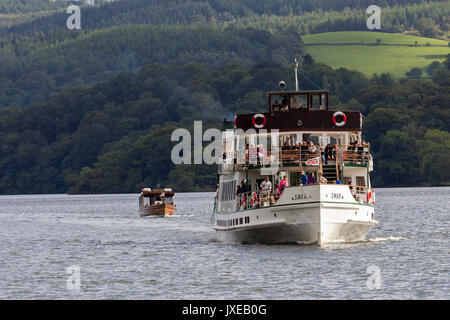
156, 202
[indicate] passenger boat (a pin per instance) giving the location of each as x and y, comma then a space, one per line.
156, 202
290, 137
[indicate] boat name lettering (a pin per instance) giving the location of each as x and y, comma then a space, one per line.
300, 196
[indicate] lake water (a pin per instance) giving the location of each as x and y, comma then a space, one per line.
123, 256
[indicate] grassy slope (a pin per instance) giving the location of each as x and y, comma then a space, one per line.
374, 59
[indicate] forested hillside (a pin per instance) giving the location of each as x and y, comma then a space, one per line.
42, 57
115, 136
92, 110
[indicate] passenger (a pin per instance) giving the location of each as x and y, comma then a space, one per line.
312, 149
243, 187
303, 178
283, 184
261, 152
334, 152
328, 153
266, 187
322, 154
311, 178
304, 150
323, 180
276, 106
284, 103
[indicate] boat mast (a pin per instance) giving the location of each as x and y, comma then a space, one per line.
296, 76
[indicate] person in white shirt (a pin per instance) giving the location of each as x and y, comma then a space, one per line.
266, 187
266, 190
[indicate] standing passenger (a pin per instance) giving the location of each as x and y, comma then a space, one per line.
283, 184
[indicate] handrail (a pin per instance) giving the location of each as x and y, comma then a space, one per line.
294, 154
252, 199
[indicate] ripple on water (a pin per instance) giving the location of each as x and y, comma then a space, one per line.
124, 256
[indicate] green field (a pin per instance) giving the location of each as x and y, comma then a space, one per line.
370, 59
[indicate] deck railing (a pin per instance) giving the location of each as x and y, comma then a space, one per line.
284, 155
355, 154
258, 198
296, 155
359, 193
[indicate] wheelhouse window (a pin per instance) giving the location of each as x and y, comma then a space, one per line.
304, 100
317, 101
360, 181
279, 102
299, 101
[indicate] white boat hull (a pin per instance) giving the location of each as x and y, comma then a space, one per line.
309, 220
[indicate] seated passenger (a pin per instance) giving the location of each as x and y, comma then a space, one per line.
312, 149
311, 178
276, 106
323, 180
303, 178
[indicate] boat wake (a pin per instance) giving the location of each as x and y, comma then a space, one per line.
367, 241
381, 239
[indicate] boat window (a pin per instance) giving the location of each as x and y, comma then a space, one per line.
228, 191
360, 181
347, 180
299, 101
324, 101
316, 102
336, 140
314, 139
294, 178
279, 102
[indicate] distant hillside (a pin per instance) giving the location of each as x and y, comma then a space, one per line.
368, 56
41, 57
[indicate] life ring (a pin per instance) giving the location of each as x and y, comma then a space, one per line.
259, 126
344, 118
254, 199
369, 196
243, 201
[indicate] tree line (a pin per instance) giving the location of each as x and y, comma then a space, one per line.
114, 136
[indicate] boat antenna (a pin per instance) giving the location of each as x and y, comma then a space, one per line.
296, 75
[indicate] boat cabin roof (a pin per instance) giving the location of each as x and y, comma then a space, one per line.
157, 192
303, 100
298, 111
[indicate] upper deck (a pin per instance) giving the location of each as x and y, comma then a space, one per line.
299, 111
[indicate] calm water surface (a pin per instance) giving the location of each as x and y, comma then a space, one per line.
124, 256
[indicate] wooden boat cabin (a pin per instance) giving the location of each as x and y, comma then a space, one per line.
156, 202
